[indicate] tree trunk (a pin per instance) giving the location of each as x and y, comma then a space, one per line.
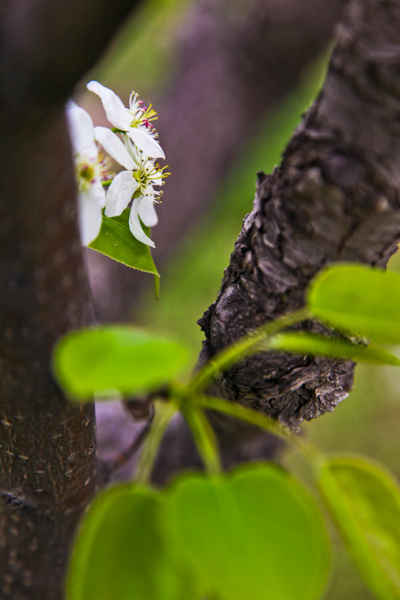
47, 445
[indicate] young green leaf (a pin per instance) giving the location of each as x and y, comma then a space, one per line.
255, 533
121, 552
304, 343
364, 502
116, 241
359, 299
115, 358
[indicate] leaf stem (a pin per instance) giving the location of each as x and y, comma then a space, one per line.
164, 411
203, 435
189, 401
252, 417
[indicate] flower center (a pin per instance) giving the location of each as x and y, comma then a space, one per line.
142, 115
141, 177
86, 172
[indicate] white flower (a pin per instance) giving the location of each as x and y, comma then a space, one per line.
135, 121
139, 179
89, 172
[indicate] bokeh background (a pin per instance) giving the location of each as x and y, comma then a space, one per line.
230, 80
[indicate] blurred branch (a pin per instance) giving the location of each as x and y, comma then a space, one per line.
108, 468
47, 46
48, 446
233, 68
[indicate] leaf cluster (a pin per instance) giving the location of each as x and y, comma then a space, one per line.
255, 532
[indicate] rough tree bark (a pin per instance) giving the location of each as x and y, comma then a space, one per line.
47, 446
235, 61
335, 197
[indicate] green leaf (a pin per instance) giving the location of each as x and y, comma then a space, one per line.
364, 502
304, 343
121, 552
358, 299
103, 360
255, 533
116, 241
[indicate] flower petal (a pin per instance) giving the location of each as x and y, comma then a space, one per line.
114, 147
120, 193
70, 104
116, 112
81, 130
90, 217
146, 143
147, 213
98, 192
136, 227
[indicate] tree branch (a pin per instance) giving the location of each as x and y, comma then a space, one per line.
334, 198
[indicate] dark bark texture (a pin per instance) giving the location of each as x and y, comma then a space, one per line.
47, 446
47, 452
335, 197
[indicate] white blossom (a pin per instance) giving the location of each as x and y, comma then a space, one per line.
135, 121
137, 181
89, 172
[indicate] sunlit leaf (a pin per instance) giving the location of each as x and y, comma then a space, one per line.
359, 299
115, 358
304, 343
255, 533
364, 502
116, 241
121, 552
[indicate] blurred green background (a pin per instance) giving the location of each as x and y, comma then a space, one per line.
368, 420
